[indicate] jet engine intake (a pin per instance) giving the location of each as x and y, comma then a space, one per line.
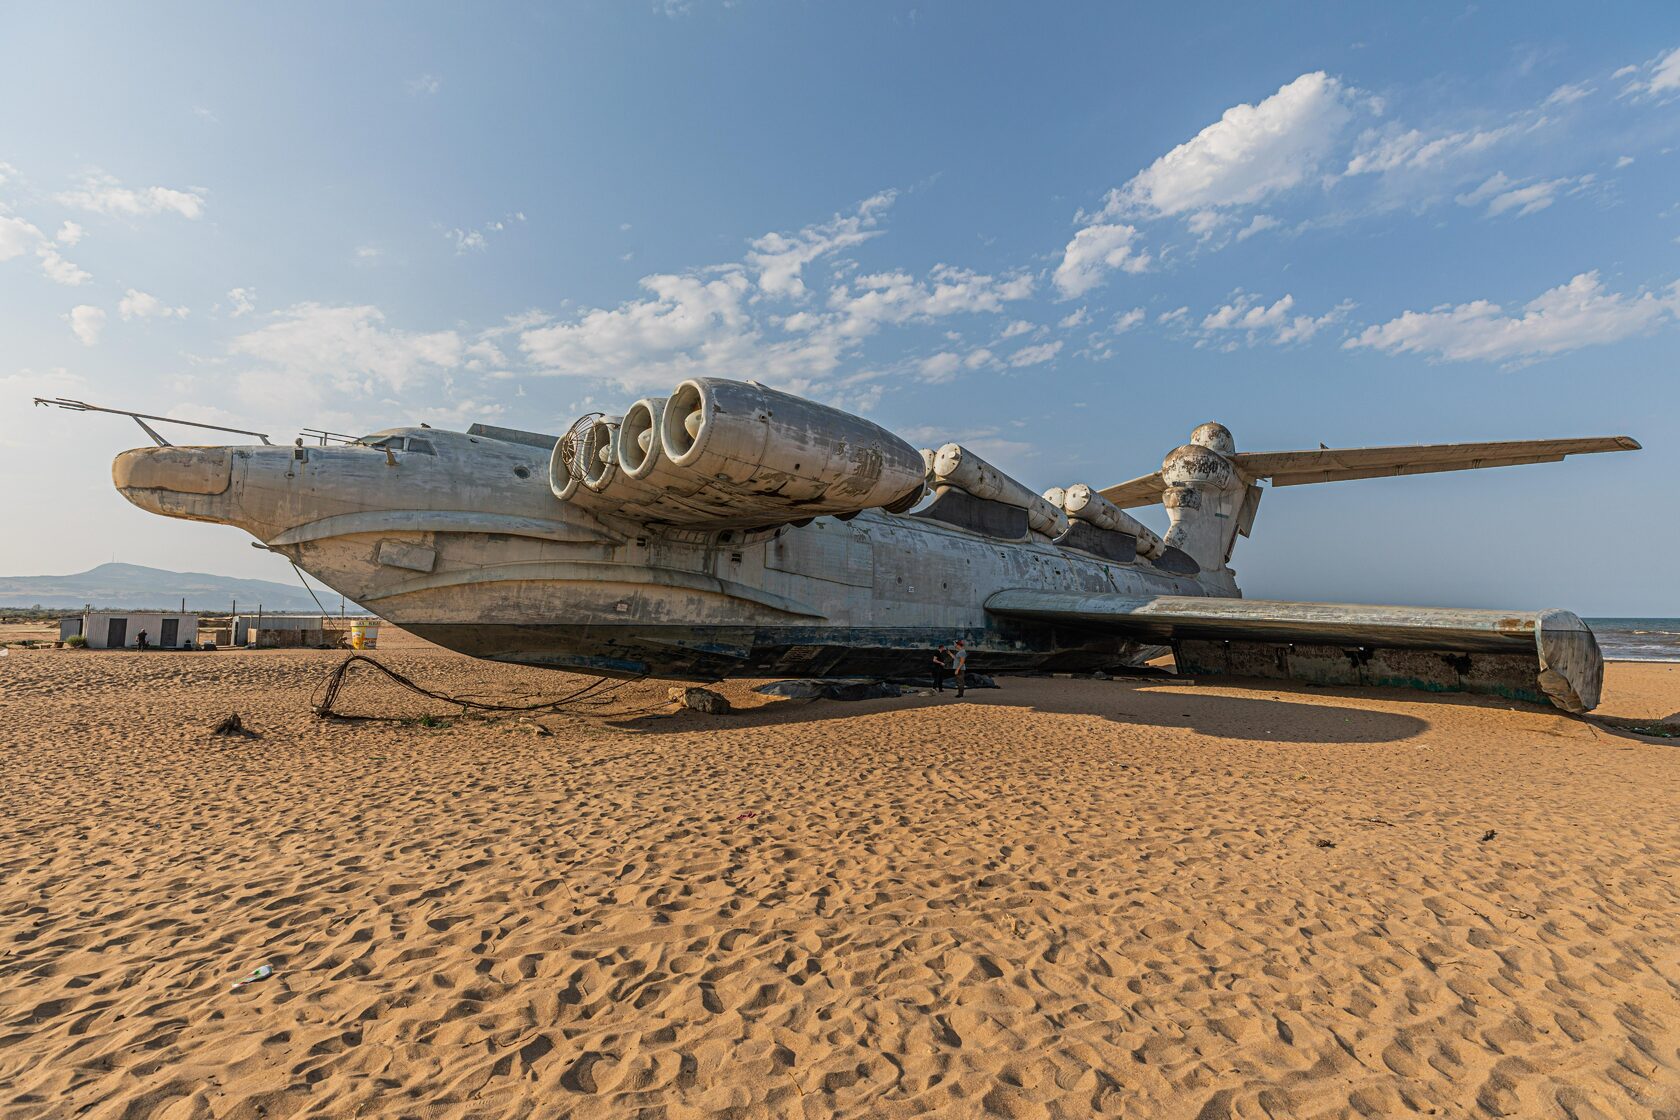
728, 453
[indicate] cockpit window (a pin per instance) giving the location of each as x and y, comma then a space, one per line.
389, 443
421, 446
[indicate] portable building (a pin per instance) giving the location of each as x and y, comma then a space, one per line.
122, 629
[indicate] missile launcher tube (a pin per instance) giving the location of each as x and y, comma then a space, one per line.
955, 465
1085, 504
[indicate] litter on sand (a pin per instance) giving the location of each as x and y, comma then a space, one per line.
261, 972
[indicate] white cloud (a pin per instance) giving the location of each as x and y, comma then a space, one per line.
1274, 323
1094, 251
1623, 161
17, 237
1503, 194
141, 305
349, 348
1035, 355
1568, 317
1415, 150
778, 258
895, 297
86, 321
471, 240
59, 270
423, 86
1260, 224
69, 233
105, 195
1172, 316
725, 320
1075, 319
1251, 152
1126, 320
1018, 327
939, 369
1246, 313
1659, 77
244, 301
1569, 94
468, 240
978, 357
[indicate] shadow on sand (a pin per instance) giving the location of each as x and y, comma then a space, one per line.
1258, 718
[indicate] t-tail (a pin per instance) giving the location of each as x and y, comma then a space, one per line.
1212, 491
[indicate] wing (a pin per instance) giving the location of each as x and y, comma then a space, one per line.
1295, 468
1540, 656
1292, 468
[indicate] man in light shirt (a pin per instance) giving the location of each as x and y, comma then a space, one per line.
959, 664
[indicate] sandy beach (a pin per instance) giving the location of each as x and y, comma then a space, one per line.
1062, 898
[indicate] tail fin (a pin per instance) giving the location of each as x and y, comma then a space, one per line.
1211, 493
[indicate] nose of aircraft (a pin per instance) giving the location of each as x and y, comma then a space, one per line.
177, 481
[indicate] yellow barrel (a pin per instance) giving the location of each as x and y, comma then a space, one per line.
364, 634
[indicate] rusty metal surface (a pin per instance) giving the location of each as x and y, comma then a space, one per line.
730, 529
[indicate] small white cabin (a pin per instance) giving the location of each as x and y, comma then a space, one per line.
122, 629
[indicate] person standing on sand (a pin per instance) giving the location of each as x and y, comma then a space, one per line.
959, 665
140, 642
941, 660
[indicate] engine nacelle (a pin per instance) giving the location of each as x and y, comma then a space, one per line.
804, 458
726, 453
955, 465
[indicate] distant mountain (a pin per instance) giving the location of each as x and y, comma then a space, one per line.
130, 586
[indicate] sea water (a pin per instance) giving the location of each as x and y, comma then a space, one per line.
1637, 639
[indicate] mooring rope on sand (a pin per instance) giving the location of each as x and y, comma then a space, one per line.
335, 682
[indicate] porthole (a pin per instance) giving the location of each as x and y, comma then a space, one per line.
522, 472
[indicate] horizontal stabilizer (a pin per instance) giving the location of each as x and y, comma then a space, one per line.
1295, 468
1539, 656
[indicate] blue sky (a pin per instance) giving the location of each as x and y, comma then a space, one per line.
1062, 234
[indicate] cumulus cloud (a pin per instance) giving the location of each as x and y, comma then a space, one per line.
1260, 224
1251, 152
106, 195
939, 369
1660, 77
1275, 323
1126, 320
1035, 355
1568, 317
244, 301
17, 237
1074, 319
143, 305
348, 348
779, 258
69, 233
1095, 251
423, 86
59, 270
86, 321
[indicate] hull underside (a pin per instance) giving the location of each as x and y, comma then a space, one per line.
715, 652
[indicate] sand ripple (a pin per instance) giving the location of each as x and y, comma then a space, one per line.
1063, 899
